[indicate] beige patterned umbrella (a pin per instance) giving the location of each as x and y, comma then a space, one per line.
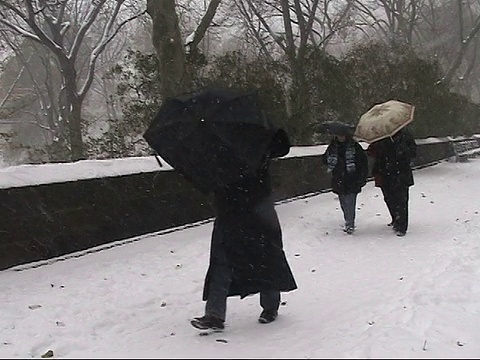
383, 120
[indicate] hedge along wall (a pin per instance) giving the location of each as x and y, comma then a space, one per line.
45, 221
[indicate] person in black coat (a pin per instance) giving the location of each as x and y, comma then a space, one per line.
393, 174
348, 163
246, 253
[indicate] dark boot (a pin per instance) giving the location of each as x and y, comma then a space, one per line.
208, 322
400, 233
267, 316
349, 230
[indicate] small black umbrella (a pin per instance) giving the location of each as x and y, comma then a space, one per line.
337, 128
213, 137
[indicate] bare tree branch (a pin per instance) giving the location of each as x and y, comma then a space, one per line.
461, 53
204, 23
259, 16
87, 23
101, 46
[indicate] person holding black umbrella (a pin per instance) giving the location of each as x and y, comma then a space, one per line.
246, 253
348, 163
221, 141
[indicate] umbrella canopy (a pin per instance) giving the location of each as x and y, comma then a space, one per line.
337, 128
384, 120
213, 137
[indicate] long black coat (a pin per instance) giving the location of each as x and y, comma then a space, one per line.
393, 157
342, 181
248, 227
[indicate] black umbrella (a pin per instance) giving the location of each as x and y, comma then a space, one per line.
213, 137
337, 128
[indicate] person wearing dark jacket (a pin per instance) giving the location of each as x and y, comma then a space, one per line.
393, 174
348, 163
246, 253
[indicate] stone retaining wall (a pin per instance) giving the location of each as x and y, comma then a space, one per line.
45, 221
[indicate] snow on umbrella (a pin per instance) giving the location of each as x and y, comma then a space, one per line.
212, 137
384, 120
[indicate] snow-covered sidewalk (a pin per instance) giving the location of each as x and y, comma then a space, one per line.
370, 295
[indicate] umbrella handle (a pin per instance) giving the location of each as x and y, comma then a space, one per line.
158, 160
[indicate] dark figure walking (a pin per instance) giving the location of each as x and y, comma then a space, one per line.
246, 254
393, 174
348, 163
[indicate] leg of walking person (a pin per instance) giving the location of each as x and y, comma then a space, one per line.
219, 285
348, 204
389, 198
343, 205
401, 201
270, 302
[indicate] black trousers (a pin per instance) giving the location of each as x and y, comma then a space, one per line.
221, 278
396, 198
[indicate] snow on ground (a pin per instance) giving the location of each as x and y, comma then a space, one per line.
370, 295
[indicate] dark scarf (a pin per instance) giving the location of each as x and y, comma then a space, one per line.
332, 157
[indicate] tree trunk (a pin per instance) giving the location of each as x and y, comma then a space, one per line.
169, 47
75, 131
73, 111
301, 105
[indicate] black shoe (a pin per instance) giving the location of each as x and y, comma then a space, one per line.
208, 322
267, 316
349, 230
400, 233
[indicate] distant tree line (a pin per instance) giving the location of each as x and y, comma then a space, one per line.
84, 79
340, 89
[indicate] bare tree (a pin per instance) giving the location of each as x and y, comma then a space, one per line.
103, 86
64, 28
448, 32
174, 67
294, 29
395, 20
445, 30
466, 39
32, 57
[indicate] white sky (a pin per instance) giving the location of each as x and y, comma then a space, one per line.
370, 295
